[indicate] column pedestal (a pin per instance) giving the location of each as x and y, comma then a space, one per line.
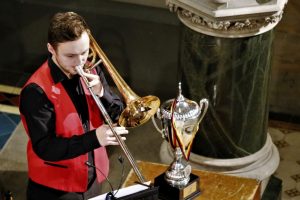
260, 165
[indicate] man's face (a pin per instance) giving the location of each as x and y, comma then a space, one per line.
70, 54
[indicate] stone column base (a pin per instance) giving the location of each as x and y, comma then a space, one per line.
260, 165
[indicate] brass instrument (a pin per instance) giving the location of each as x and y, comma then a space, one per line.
138, 109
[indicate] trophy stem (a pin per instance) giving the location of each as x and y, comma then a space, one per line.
178, 174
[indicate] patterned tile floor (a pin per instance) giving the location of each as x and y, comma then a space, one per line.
8, 123
9, 114
288, 144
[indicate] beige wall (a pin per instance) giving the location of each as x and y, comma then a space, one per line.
285, 80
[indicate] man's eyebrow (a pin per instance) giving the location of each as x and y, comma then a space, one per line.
72, 54
86, 50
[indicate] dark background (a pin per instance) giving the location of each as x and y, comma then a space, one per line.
142, 41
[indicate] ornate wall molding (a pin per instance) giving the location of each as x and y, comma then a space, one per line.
225, 20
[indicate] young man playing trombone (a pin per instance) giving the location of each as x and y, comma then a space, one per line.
65, 127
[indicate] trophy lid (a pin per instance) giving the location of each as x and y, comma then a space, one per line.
184, 109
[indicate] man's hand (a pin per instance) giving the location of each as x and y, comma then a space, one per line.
106, 137
95, 83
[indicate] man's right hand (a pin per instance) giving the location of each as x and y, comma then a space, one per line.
106, 137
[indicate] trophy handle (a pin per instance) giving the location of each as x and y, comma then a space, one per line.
156, 126
203, 104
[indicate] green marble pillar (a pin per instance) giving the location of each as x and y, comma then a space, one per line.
234, 74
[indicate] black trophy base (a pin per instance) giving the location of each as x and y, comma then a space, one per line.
168, 192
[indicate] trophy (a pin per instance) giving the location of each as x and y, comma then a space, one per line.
180, 119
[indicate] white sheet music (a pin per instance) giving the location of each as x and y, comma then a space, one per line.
124, 191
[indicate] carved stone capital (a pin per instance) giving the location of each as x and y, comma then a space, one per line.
231, 19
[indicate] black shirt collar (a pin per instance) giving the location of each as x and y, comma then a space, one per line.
56, 73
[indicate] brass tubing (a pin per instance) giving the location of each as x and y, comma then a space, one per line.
110, 124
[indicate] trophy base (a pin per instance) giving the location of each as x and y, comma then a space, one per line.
168, 192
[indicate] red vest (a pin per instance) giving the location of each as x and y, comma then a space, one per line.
72, 174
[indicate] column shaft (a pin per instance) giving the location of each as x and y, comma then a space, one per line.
234, 74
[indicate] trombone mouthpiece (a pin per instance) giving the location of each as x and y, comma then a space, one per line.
79, 70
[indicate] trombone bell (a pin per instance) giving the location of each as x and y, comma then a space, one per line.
138, 109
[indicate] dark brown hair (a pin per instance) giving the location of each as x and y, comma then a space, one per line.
67, 26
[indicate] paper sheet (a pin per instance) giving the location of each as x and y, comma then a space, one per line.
124, 191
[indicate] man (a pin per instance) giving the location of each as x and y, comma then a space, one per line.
67, 135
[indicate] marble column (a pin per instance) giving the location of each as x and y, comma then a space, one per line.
234, 75
226, 51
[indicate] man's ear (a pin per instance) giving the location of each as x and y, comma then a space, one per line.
50, 48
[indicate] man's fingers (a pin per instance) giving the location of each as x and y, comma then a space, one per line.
89, 75
119, 130
106, 136
113, 140
93, 79
94, 82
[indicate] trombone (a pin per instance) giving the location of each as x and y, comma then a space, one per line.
138, 109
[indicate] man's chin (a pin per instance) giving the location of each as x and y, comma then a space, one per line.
73, 72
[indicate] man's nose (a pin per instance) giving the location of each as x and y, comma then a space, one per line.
80, 60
